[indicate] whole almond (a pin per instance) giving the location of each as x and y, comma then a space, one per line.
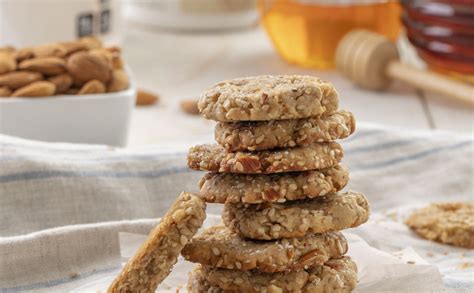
84, 66
91, 42
18, 79
7, 62
5, 91
36, 89
102, 53
145, 98
62, 82
190, 106
45, 65
50, 50
74, 46
24, 53
119, 81
112, 57
92, 87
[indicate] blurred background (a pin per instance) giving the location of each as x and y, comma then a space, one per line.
177, 48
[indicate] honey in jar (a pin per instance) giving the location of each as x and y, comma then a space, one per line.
306, 32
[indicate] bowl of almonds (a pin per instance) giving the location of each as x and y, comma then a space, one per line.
78, 91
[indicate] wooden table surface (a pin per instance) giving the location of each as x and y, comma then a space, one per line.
181, 66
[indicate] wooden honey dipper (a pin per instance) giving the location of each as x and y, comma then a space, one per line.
371, 61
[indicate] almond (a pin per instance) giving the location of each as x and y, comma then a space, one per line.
24, 53
91, 42
104, 54
5, 91
50, 50
62, 82
84, 66
112, 57
17, 79
73, 47
45, 65
190, 106
7, 62
92, 87
36, 89
119, 81
146, 98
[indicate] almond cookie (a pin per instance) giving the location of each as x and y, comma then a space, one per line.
336, 275
263, 135
154, 260
214, 158
266, 97
449, 223
258, 188
322, 214
219, 247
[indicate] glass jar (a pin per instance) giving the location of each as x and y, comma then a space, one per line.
443, 34
307, 32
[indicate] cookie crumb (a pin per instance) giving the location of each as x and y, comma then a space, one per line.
411, 262
73, 275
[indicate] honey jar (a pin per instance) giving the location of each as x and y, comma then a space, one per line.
442, 32
307, 32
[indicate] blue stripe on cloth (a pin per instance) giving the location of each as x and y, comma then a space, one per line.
35, 175
52, 283
412, 157
380, 146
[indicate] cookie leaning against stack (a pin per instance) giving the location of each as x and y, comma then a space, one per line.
277, 169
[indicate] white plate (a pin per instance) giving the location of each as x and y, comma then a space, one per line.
93, 119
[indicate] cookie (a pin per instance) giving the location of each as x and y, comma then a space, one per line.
214, 158
154, 260
219, 247
264, 98
336, 275
197, 283
258, 188
263, 135
449, 223
322, 214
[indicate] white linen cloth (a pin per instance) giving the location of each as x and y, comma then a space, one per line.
62, 206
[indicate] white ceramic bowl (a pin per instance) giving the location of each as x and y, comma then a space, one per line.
94, 119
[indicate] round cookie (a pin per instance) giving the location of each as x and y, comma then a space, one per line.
258, 188
264, 98
263, 135
449, 223
219, 247
154, 260
336, 275
214, 158
269, 221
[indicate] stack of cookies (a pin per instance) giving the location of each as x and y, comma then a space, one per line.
276, 168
